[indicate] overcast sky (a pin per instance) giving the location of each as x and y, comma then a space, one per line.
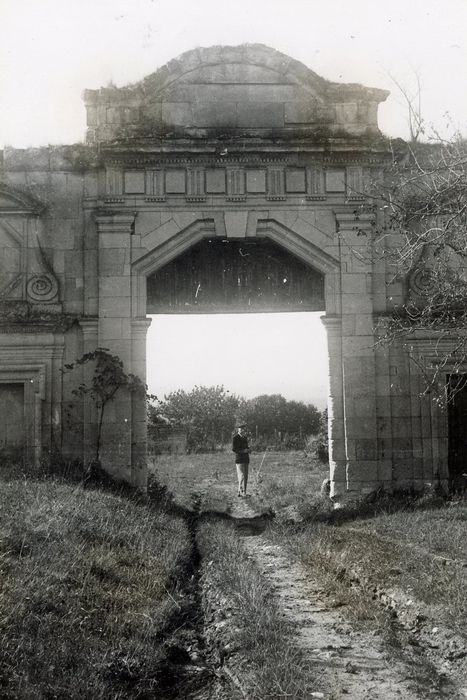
51, 50
250, 354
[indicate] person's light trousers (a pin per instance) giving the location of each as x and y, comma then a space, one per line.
242, 476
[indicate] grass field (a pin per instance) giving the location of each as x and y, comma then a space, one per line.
88, 590
93, 584
393, 564
276, 479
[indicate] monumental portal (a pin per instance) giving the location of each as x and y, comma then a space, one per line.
231, 179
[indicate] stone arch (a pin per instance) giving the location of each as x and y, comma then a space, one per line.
256, 225
241, 143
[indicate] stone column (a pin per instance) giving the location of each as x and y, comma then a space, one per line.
358, 352
139, 328
114, 334
336, 431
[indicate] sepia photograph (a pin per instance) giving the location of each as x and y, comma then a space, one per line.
233, 350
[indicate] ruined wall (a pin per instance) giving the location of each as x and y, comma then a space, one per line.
41, 289
237, 143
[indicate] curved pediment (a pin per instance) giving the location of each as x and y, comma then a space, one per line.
246, 90
248, 65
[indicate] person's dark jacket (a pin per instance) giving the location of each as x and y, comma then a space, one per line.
239, 444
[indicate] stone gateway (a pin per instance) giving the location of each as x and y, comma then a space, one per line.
231, 179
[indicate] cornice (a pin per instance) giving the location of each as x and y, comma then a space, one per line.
332, 323
115, 222
216, 160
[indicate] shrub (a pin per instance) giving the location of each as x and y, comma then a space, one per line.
317, 446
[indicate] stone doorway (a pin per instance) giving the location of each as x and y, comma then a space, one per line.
217, 275
12, 429
457, 430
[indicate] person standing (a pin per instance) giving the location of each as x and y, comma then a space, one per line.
242, 457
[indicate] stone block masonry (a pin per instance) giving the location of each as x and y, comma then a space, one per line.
234, 144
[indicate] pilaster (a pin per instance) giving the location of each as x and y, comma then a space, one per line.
336, 430
89, 328
114, 333
358, 352
139, 329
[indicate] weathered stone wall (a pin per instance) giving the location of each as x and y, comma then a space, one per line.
233, 143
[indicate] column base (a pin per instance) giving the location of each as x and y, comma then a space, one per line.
342, 496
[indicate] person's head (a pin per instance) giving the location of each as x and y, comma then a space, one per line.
241, 428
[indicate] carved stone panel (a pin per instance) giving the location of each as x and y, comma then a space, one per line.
12, 235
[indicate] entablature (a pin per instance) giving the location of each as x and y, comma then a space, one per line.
231, 180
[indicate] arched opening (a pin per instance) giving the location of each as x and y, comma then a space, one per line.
128, 303
243, 314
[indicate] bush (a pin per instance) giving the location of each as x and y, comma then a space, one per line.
284, 443
317, 446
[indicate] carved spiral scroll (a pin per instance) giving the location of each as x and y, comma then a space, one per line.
42, 288
422, 282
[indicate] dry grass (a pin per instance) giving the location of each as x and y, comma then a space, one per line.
291, 479
88, 587
254, 632
395, 552
441, 530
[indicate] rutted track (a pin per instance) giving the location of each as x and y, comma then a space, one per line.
191, 670
348, 663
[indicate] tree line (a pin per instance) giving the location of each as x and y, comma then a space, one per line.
208, 416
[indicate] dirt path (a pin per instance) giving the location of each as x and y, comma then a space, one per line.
349, 663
